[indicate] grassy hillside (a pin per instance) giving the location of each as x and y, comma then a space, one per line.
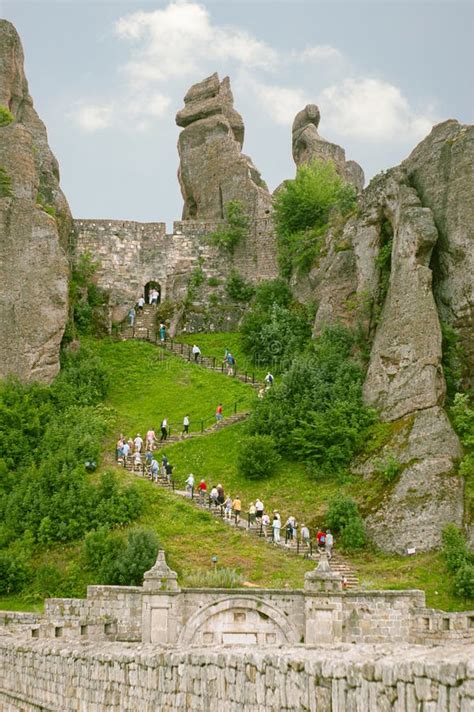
146, 385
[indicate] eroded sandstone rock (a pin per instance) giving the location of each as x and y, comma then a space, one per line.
424, 225
213, 171
309, 145
33, 263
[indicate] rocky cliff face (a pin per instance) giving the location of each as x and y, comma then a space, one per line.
402, 262
213, 170
309, 145
33, 264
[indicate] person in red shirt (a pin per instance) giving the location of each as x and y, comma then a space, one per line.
219, 415
202, 488
321, 537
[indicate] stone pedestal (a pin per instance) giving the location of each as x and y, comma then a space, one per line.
159, 603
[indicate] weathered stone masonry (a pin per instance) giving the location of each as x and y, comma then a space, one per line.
84, 677
291, 650
131, 254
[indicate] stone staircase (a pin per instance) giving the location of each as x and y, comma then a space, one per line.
145, 325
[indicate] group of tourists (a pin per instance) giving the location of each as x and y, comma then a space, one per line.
271, 525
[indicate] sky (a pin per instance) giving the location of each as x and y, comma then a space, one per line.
107, 78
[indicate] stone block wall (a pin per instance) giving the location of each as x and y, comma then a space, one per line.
87, 677
131, 254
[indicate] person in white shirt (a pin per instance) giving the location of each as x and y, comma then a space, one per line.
329, 544
259, 508
164, 429
141, 303
190, 483
186, 425
196, 353
138, 443
276, 525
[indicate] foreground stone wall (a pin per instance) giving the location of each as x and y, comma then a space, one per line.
74, 677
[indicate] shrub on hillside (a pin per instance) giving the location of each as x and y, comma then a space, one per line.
316, 412
257, 457
303, 208
6, 116
234, 230
463, 584
341, 512
119, 563
275, 327
15, 572
343, 516
353, 534
455, 550
237, 288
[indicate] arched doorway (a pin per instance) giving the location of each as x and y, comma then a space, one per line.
149, 287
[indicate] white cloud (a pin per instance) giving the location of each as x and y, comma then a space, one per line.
92, 117
371, 109
179, 39
319, 53
280, 103
131, 112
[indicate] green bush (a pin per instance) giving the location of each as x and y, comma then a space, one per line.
235, 229
275, 327
455, 551
303, 208
86, 300
462, 414
237, 288
117, 563
463, 584
388, 469
214, 578
6, 116
341, 512
353, 535
213, 282
46, 582
453, 360
15, 572
316, 413
5, 184
257, 457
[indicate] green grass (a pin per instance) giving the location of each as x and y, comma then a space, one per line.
148, 384
291, 489
145, 388
215, 344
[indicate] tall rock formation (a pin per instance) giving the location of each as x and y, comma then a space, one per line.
213, 170
33, 263
309, 145
399, 265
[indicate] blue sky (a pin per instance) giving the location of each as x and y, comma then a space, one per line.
108, 78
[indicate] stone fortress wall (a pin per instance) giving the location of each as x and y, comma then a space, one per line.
48, 676
131, 254
128, 648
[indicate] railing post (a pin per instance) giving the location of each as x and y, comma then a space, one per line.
253, 377
192, 492
202, 426
133, 332
213, 362
248, 521
182, 349
297, 545
260, 533
235, 408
